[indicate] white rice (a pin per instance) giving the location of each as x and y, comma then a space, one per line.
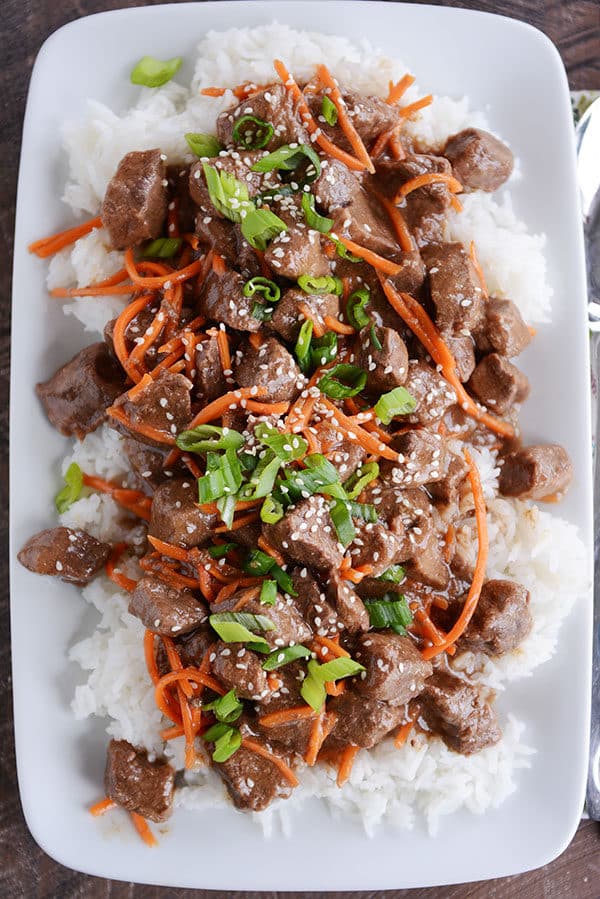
423, 780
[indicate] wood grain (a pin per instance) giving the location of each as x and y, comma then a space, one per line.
25, 871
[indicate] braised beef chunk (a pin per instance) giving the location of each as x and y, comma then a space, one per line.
313, 605
407, 513
306, 535
165, 609
501, 620
72, 555
421, 458
375, 545
222, 300
209, 378
192, 647
147, 462
273, 105
342, 452
463, 350
347, 603
431, 392
288, 316
176, 517
269, 366
446, 490
135, 202
293, 735
288, 625
362, 720
426, 207
252, 781
498, 383
238, 166
455, 288
76, 397
137, 784
503, 329
386, 367
479, 160
296, 251
240, 669
535, 472
364, 221
162, 406
370, 116
457, 711
429, 566
396, 671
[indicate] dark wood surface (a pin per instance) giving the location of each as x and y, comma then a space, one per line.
25, 871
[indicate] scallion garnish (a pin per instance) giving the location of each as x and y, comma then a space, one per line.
319, 476
227, 740
240, 627
342, 521
342, 381
209, 438
392, 613
364, 511
263, 477
357, 482
320, 286
151, 72
313, 689
268, 593
162, 248
219, 552
313, 219
288, 159
259, 563
223, 476
338, 668
286, 447
375, 341
343, 253
355, 308
397, 402
205, 146
329, 110
395, 574
302, 348
228, 195
71, 492
271, 510
226, 507
270, 292
226, 709
324, 349
259, 226
252, 133
284, 656
261, 313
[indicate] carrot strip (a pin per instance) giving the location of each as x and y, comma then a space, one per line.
297, 713
331, 646
213, 91
192, 674
145, 430
336, 325
344, 120
47, 246
399, 89
477, 267
428, 178
169, 278
358, 435
150, 656
396, 146
319, 733
346, 763
93, 291
373, 259
166, 573
176, 663
270, 550
169, 549
121, 580
399, 225
141, 825
402, 735
224, 352
224, 403
237, 524
132, 500
480, 565
318, 329
218, 264
334, 689
449, 542
279, 763
407, 111
455, 203
267, 408
300, 414
105, 805
123, 321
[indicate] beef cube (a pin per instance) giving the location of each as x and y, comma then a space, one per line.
72, 555
365, 222
163, 405
294, 735
165, 609
193, 647
421, 459
370, 116
428, 566
386, 368
406, 512
288, 317
347, 603
411, 276
479, 160
274, 105
209, 378
147, 463
458, 712
501, 620
340, 451
306, 535
336, 186
248, 535
298, 250
253, 781
313, 605
176, 517
269, 366
445, 491
238, 166
375, 545
182, 204
503, 329
396, 671
135, 202
498, 383
431, 392
455, 288
361, 720
240, 669
76, 397
137, 784
463, 350
426, 207
536, 472
289, 626
222, 300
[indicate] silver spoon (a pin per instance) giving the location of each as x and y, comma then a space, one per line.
588, 166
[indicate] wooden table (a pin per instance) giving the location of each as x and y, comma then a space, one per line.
25, 871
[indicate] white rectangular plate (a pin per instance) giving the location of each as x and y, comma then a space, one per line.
514, 71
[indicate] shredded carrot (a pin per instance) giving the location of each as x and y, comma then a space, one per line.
354, 575
47, 246
297, 713
334, 324
121, 324
398, 90
226, 591
270, 550
191, 674
320, 730
267, 408
169, 549
334, 689
279, 763
346, 763
141, 825
402, 735
427, 628
237, 524
480, 565
449, 542
126, 583
150, 656
396, 146
373, 259
300, 414
167, 573
255, 341
331, 646
172, 277
407, 111
273, 681
358, 435
218, 264
428, 178
344, 120
477, 267
172, 732
105, 805
107, 286
309, 122
224, 403
455, 203
140, 428
213, 91
309, 315
399, 225
133, 500
239, 506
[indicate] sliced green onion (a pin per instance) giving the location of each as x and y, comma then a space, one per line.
203, 145
319, 476
261, 313
227, 708
375, 341
364, 511
395, 574
343, 253
355, 308
313, 219
162, 248
287, 447
208, 438
338, 668
302, 348
288, 159
269, 290
215, 731
259, 563
268, 593
71, 492
392, 613
324, 349
223, 476
239, 627
342, 381
252, 138
313, 689
248, 461
227, 740
320, 286
329, 110
271, 510
151, 72
357, 482
228, 195
284, 581
263, 477
226, 507
342, 522
219, 552
397, 402
284, 656
259, 226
